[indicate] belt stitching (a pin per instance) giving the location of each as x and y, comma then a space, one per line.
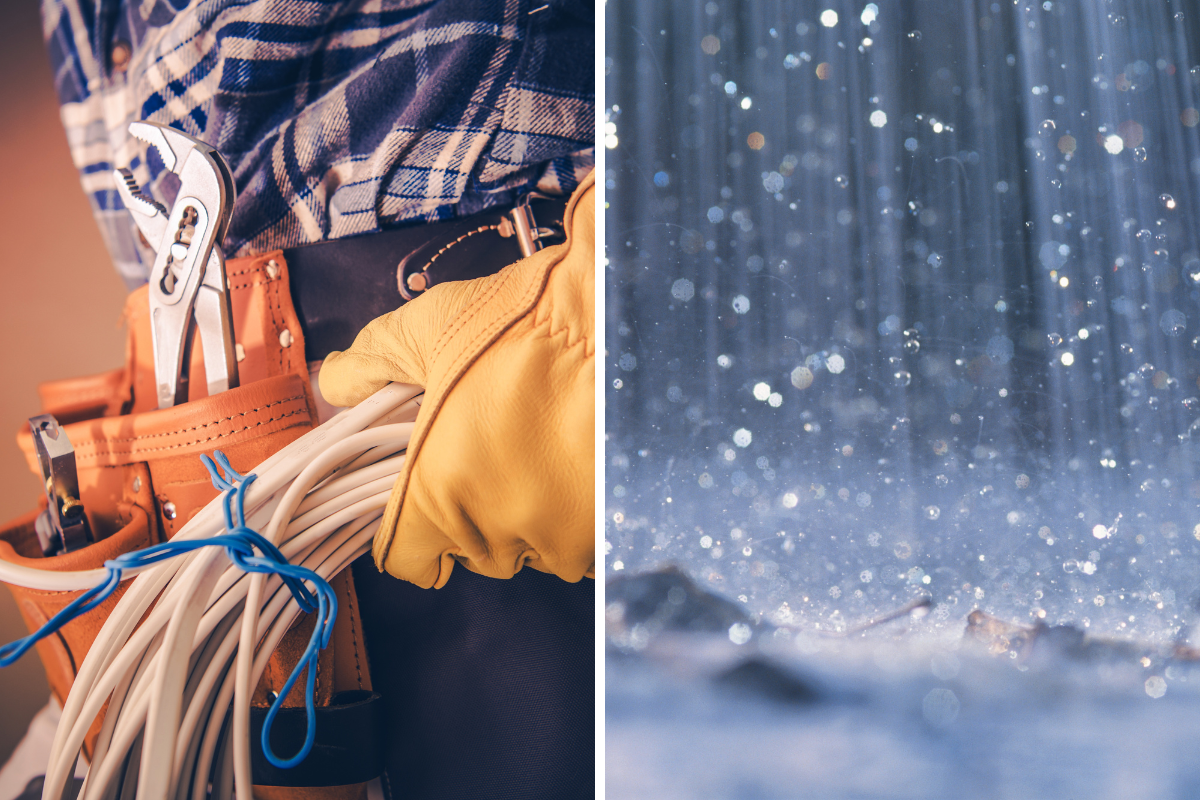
182, 445
98, 454
96, 442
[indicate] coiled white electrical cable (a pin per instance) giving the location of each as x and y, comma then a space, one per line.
171, 679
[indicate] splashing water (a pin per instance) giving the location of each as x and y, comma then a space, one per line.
987, 214
989, 324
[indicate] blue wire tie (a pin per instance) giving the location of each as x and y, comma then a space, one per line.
240, 543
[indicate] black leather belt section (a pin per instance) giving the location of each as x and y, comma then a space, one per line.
348, 748
340, 286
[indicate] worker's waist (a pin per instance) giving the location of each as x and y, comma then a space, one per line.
338, 287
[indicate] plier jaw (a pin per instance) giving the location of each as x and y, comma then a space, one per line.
188, 287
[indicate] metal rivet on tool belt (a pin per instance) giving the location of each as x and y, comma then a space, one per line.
417, 282
272, 269
137, 484
285, 338
241, 351
169, 510
120, 56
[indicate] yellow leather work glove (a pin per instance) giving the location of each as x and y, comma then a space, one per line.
501, 466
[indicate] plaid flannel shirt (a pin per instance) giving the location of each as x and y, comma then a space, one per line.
338, 118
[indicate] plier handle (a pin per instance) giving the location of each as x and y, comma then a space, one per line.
188, 287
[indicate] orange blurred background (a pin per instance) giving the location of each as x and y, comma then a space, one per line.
60, 300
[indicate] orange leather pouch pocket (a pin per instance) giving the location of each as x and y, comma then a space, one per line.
141, 478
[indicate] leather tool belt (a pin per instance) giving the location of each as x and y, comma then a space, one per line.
340, 286
141, 479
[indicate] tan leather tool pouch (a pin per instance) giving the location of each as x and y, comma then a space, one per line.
141, 478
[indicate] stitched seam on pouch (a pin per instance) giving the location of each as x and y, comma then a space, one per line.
256, 266
248, 285
464, 237
273, 304
354, 634
142, 450
95, 443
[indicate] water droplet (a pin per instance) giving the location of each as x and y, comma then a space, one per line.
1153, 403
912, 346
1146, 370
1040, 155
1167, 201
1127, 348
1056, 183
1173, 322
842, 181
1144, 235
1191, 403
1054, 339
932, 512
902, 378
914, 35
1139, 154
1047, 127
1191, 271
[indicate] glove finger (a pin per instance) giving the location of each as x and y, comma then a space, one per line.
396, 347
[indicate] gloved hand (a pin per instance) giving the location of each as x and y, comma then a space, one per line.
501, 465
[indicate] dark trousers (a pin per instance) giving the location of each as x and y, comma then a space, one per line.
488, 685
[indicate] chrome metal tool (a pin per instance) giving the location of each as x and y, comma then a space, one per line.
188, 287
62, 527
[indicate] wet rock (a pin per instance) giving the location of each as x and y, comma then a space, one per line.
1046, 644
768, 680
641, 606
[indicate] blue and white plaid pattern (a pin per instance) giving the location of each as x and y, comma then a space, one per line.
339, 118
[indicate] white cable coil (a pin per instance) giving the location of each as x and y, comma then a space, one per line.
169, 681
